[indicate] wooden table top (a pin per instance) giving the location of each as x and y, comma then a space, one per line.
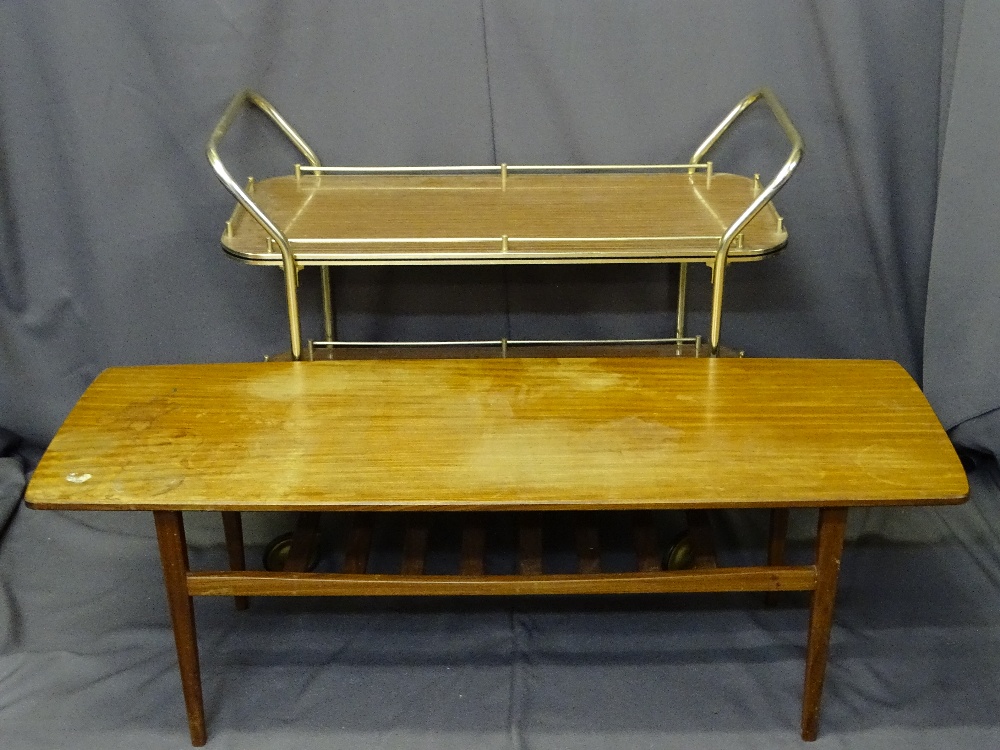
500, 434
337, 219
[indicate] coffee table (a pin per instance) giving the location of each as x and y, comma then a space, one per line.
531, 435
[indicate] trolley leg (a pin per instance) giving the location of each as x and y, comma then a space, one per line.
718, 280
232, 523
174, 558
682, 286
829, 546
292, 300
329, 324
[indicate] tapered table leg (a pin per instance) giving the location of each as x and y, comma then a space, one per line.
829, 546
232, 525
174, 558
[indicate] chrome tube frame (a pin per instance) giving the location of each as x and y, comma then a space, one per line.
245, 99
776, 183
248, 98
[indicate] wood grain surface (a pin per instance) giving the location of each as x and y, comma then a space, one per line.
344, 219
528, 434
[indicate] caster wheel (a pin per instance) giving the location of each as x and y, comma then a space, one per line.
278, 550
680, 554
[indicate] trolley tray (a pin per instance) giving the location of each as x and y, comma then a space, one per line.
343, 219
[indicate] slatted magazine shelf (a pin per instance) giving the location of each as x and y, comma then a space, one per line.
504, 215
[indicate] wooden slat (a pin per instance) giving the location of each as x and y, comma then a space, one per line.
588, 545
777, 536
232, 524
529, 551
414, 547
473, 553
359, 540
763, 578
305, 539
702, 543
648, 555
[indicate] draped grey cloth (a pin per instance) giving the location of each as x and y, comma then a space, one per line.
112, 216
962, 336
109, 255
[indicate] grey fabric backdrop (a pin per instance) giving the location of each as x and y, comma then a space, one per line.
112, 217
962, 337
109, 255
